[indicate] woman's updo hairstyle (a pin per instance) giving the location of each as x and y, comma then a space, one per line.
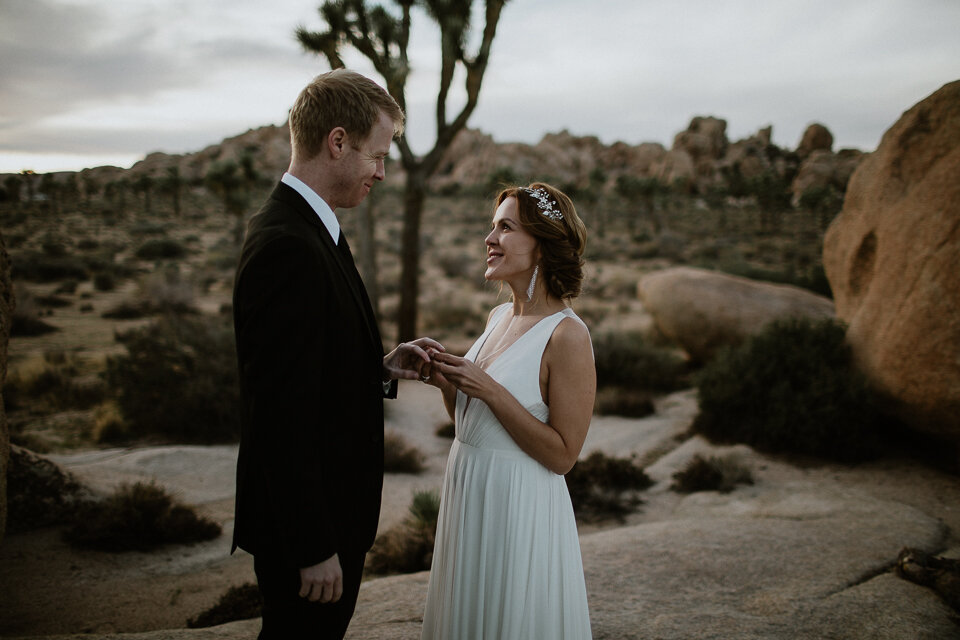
548, 215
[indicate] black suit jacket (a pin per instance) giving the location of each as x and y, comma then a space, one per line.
310, 470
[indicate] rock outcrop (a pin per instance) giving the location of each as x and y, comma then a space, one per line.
7, 304
816, 137
704, 310
892, 257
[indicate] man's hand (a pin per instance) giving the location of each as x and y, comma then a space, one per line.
409, 358
322, 582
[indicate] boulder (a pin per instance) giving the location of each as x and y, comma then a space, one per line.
822, 170
41, 492
7, 304
892, 257
816, 137
704, 310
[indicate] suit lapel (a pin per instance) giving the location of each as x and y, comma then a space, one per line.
345, 263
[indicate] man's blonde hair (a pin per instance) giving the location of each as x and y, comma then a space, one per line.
339, 98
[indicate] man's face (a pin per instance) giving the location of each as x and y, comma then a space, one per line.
362, 163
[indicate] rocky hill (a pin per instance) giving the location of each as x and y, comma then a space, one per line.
701, 160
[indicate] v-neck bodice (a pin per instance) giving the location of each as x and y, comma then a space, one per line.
517, 368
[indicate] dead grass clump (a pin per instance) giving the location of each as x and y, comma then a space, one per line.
603, 488
238, 603
399, 456
711, 474
138, 517
408, 547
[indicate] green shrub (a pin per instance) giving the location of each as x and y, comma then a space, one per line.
161, 249
602, 487
792, 388
138, 517
711, 474
408, 547
238, 603
39, 267
627, 403
628, 360
399, 456
104, 281
446, 430
179, 379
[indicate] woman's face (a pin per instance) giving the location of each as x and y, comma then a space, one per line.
511, 251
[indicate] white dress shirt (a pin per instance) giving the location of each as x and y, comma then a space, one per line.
322, 209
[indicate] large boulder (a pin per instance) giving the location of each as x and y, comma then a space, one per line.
42, 493
822, 169
6, 315
893, 260
815, 138
704, 310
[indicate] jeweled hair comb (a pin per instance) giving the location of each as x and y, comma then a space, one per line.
548, 206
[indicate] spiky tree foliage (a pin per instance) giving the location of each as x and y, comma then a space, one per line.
382, 37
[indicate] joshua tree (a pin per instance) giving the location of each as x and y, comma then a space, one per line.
226, 180
171, 184
382, 37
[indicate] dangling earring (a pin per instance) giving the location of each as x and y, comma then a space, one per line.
533, 283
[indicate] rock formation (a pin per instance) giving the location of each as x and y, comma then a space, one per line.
893, 260
816, 137
7, 304
704, 310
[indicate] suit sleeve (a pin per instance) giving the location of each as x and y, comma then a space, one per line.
282, 338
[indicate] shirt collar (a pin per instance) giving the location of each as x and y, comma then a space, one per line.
322, 209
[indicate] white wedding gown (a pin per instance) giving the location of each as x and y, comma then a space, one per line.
506, 563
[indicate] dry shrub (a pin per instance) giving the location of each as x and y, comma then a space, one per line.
603, 488
446, 430
399, 456
408, 547
238, 603
711, 474
138, 517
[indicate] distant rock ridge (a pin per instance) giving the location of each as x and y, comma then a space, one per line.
702, 159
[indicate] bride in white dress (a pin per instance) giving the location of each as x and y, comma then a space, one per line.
506, 563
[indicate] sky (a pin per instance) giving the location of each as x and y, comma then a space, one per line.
87, 83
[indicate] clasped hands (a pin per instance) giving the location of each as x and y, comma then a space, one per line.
426, 360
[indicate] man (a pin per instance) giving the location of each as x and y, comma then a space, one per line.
312, 370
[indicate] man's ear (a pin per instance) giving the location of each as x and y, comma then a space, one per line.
337, 141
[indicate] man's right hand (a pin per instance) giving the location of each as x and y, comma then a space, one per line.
322, 582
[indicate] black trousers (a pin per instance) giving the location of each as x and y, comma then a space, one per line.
287, 616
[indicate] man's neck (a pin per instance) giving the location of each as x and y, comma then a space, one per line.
312, 175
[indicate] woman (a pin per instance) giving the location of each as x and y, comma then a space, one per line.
506, 563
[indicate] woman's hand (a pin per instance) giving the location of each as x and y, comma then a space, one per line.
462, 374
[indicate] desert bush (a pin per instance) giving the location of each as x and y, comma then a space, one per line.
126, 310
711, 474
792, 388
161, 249
446, 430
138, 517
67, 287
625, 402
58, 385
627, 359
178, 379
399, 456
603, 488
53, 301
238, 603
451, 315
408, 547
104, 281
35, 266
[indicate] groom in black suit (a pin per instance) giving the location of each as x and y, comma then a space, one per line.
313, 373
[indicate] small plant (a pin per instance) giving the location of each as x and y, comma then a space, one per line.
399, 456
161, 249
408, 547
446, 430
242, 602
179, 379
104, 281
138, 517
628, 403
792, 388
602, 487
711, 474
630, 371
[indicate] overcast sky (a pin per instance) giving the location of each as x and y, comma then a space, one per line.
93, 82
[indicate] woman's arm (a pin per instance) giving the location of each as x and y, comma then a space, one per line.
571, 387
